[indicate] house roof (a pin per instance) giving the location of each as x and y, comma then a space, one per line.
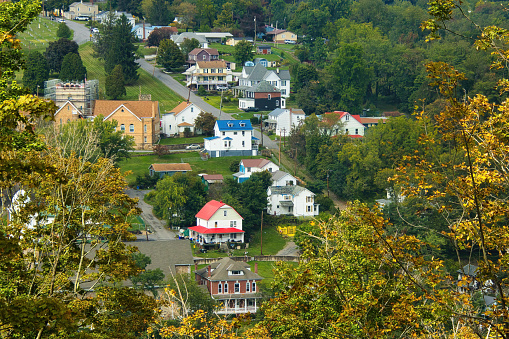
293, 190
210, 51
264, 87
166, 257
70, 103
372, 120
355, 136
258, 163
235, 125
469, 269
277, 112
206, 230
212, 64
211, 138
297, 111
342, 114
279, 174
188, 35
141, 109
180, 107
215, 34
220, 271
178, 167
263, 47
182, 124
212, 177
276, 31
210, 208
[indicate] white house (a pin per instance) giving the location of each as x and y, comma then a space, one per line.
344, 122
283, 120
252, 75
211, 74
217, 223
291, 200
178, 39
102, 17
180, 118
232, 138
281, 178
250, 166
142, 31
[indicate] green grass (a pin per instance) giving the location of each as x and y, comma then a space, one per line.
149, 85
227, 107
137, 223
143, 50
273, 242
140, 165
177, 141
38, 35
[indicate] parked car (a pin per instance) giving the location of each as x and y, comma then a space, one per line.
222, 88
95, 30
82, 18
193, 146
290, 42
60, 20
250, 109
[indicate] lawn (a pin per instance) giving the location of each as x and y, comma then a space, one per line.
148, 84
227, 107
177, 141
273, 242
38, 34
144, 50
140, 165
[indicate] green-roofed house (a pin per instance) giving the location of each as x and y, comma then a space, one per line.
233, 284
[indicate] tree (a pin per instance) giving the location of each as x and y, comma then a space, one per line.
115, 83
159, 34
147, 279
72, 68
157, 13
169, 56
225, 18
243, 52
205, 122
188, 45
57, 50
36, 72
64, 31
118, 48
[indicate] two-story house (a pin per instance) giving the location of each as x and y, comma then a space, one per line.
233, 284
142, 31
252, 75
250, 166
263, 96
281, 178
88, 9
139, 119
202, 54
338, 122
291, 200
232, 138
210, 74
282, 120
179, 118
217, 223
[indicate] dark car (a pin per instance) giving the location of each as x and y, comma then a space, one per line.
250, 109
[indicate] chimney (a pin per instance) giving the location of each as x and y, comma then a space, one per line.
256, 267
210, 271
195, 266
277, 70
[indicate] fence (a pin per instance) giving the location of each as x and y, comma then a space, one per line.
207, 261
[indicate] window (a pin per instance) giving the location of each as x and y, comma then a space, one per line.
356, 131
243, 143
283, 92
204, 57
122, 127
309, 208
224, 133
220, 288
224, 213
249, 169
268, 97
242, 124
225, 287
243, 133
247, 286
254, 286
289, 182
233, 223
283, 83
287, 197
237, 288
234, 133
309, 199
277, 102
145, 128
145, 139
192, 108
215, 224
226, 144
346, 131
183, 119
235, 273
347, 117
229, 144
131, 128
233, 236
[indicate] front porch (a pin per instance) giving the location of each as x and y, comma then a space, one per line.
238, 306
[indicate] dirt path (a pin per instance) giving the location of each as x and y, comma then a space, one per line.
290, 249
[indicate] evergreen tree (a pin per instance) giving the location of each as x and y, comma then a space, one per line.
64, 31
57, 50
121, 50
169, 56
36, 72
115, 83
158, 13
72, 68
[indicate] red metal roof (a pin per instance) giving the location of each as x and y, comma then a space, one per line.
205, 230
209, 209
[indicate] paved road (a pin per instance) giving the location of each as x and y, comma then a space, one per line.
291, 249
160, 232
81, 33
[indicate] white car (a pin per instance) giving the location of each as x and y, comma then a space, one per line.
95, 30
193, 146
290, 42
60, 20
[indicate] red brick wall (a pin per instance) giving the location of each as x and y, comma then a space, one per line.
258, 95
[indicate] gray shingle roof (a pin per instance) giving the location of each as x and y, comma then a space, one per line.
220, 271
278, 175
294, 190
188, 35
277, 112
284, 74
263, 86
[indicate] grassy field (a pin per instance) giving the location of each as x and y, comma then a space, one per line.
38, 35
140, 165
228, 107
143, 50
177, 141
148, 84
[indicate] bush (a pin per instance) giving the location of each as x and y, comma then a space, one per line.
254, 121
269, 133
234, 166
202, 91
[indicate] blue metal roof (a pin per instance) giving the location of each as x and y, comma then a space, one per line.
234, 125
254, 138
211, 138
227, 138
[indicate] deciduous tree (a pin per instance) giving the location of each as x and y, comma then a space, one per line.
188, 45
243, 52
57, 50
170, 56
64, 31
205, 121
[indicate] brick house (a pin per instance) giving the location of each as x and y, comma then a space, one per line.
233, 284
217, 223
139, 119
67, 113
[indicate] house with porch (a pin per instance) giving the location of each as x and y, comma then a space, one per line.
282, 178
250, 166
291, 200
263, 96
209, 74
233, 284
83, 9
280, 36
179, 118
169, 169
253, 75
217, 223
232, 138
283, 120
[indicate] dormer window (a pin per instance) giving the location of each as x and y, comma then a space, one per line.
235, 272
242, 124
230, 125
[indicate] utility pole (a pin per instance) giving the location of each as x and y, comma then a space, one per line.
284, 137
261, 127
261, 236
295, 171
221, 104
280, 150
328, 183
255, 31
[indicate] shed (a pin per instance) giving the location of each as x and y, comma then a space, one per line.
169, 169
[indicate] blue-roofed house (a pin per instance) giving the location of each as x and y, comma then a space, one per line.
232, 138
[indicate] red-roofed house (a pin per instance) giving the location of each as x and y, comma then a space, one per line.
249, 166
217, 223
349, 124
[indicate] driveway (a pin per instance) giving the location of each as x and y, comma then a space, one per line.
81, 32
160, 232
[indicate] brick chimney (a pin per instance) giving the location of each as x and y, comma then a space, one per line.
210, 270
195, 266
256, 267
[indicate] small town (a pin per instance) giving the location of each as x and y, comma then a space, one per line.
254, 169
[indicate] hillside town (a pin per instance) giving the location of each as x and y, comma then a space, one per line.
312, 169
